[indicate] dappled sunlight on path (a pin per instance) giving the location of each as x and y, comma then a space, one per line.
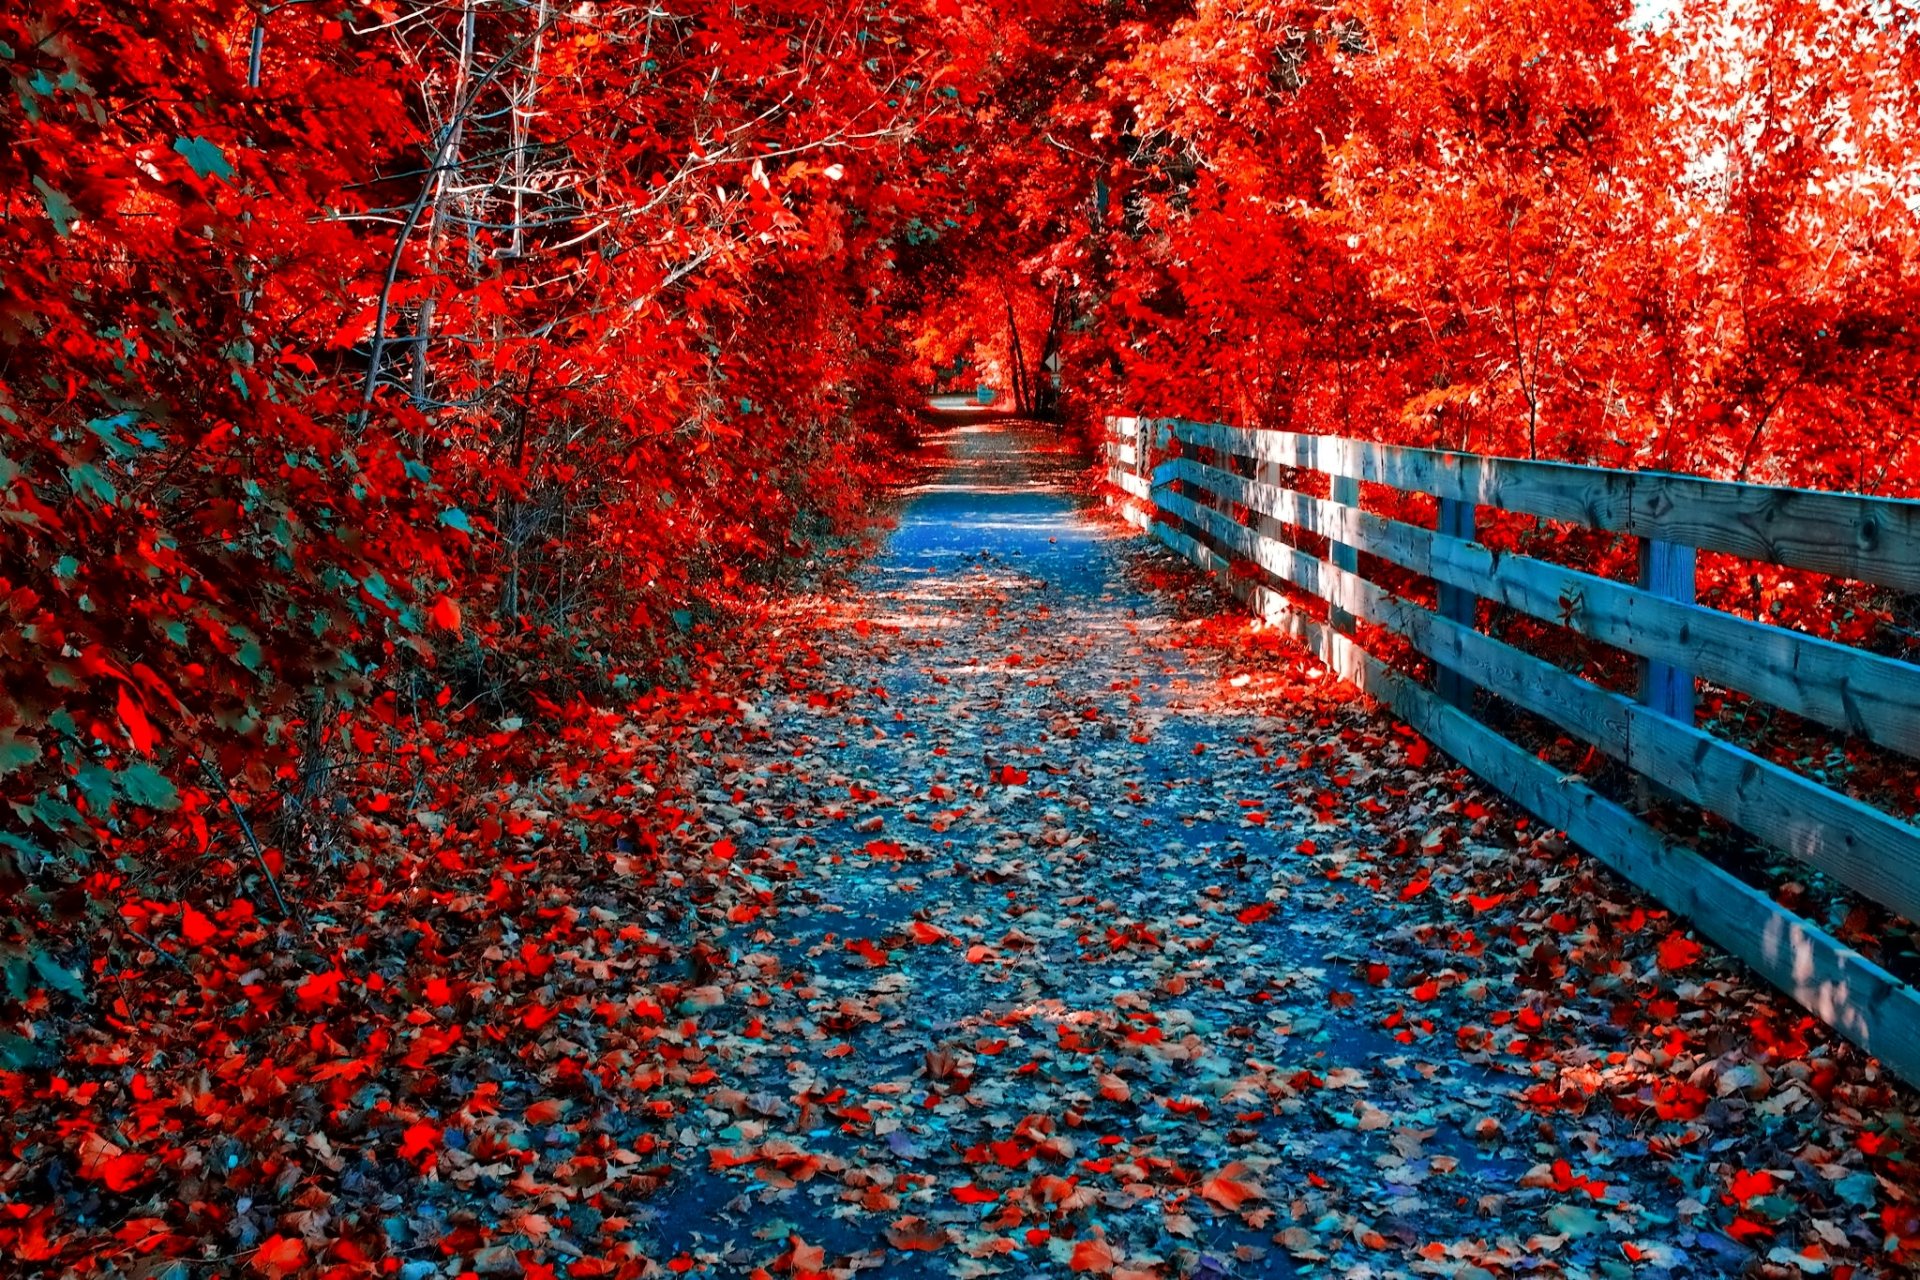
1109, 939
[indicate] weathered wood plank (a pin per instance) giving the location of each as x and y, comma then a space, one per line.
1456, 603
1136, 517
1345, 492
1349, 592
1667, 571
1578, 706
1845, 534
1843, 688
1843, 988
1868, 850
1862, 847
1121, 451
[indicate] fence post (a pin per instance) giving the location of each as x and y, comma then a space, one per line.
1667, 570
1457, 604
1345, 491
1165, 448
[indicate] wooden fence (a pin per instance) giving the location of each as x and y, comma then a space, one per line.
1221, 496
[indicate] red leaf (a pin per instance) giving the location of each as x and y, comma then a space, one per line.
139, 728
421, 1139
318, 990
1227, 1190
196, 928
1091, 1255
866, 950
1677, 951
446, 613
105, 1162
915, 1235
280, 1255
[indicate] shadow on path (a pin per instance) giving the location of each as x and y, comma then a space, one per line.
1071, 970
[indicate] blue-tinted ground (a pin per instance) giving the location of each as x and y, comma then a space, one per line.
1099, 951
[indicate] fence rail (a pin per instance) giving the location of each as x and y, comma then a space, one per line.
1227, 498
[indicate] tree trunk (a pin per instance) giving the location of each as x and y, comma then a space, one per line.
521, 133
1046, 395
437, 219
1022, 391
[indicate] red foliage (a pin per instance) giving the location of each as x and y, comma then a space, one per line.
485, 350
1685, 240
377, 381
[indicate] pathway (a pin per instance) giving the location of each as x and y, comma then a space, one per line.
1105, 941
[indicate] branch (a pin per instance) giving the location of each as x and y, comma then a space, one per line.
246, 829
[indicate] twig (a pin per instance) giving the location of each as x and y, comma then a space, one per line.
156, 948
246, 829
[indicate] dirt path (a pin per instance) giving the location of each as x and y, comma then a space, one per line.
1101, 942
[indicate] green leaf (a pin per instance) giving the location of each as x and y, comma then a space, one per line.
109, 429
206, 158
22, 1054
24, 847
376, 586
16, 752
58, 207
96, 783
1858, 1189
145, 786
58, 976
1572, 1220
50, 811
455, 518
86, 476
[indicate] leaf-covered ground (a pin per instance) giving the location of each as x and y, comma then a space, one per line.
1108, 939
1021, 911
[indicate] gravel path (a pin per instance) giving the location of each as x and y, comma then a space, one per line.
1102, 939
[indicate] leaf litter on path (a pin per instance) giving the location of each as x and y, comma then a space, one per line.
1116, 939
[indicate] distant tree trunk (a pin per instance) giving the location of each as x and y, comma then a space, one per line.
1046, 392
1022, 388
425, 203
520, 128
437, 219
256, 45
